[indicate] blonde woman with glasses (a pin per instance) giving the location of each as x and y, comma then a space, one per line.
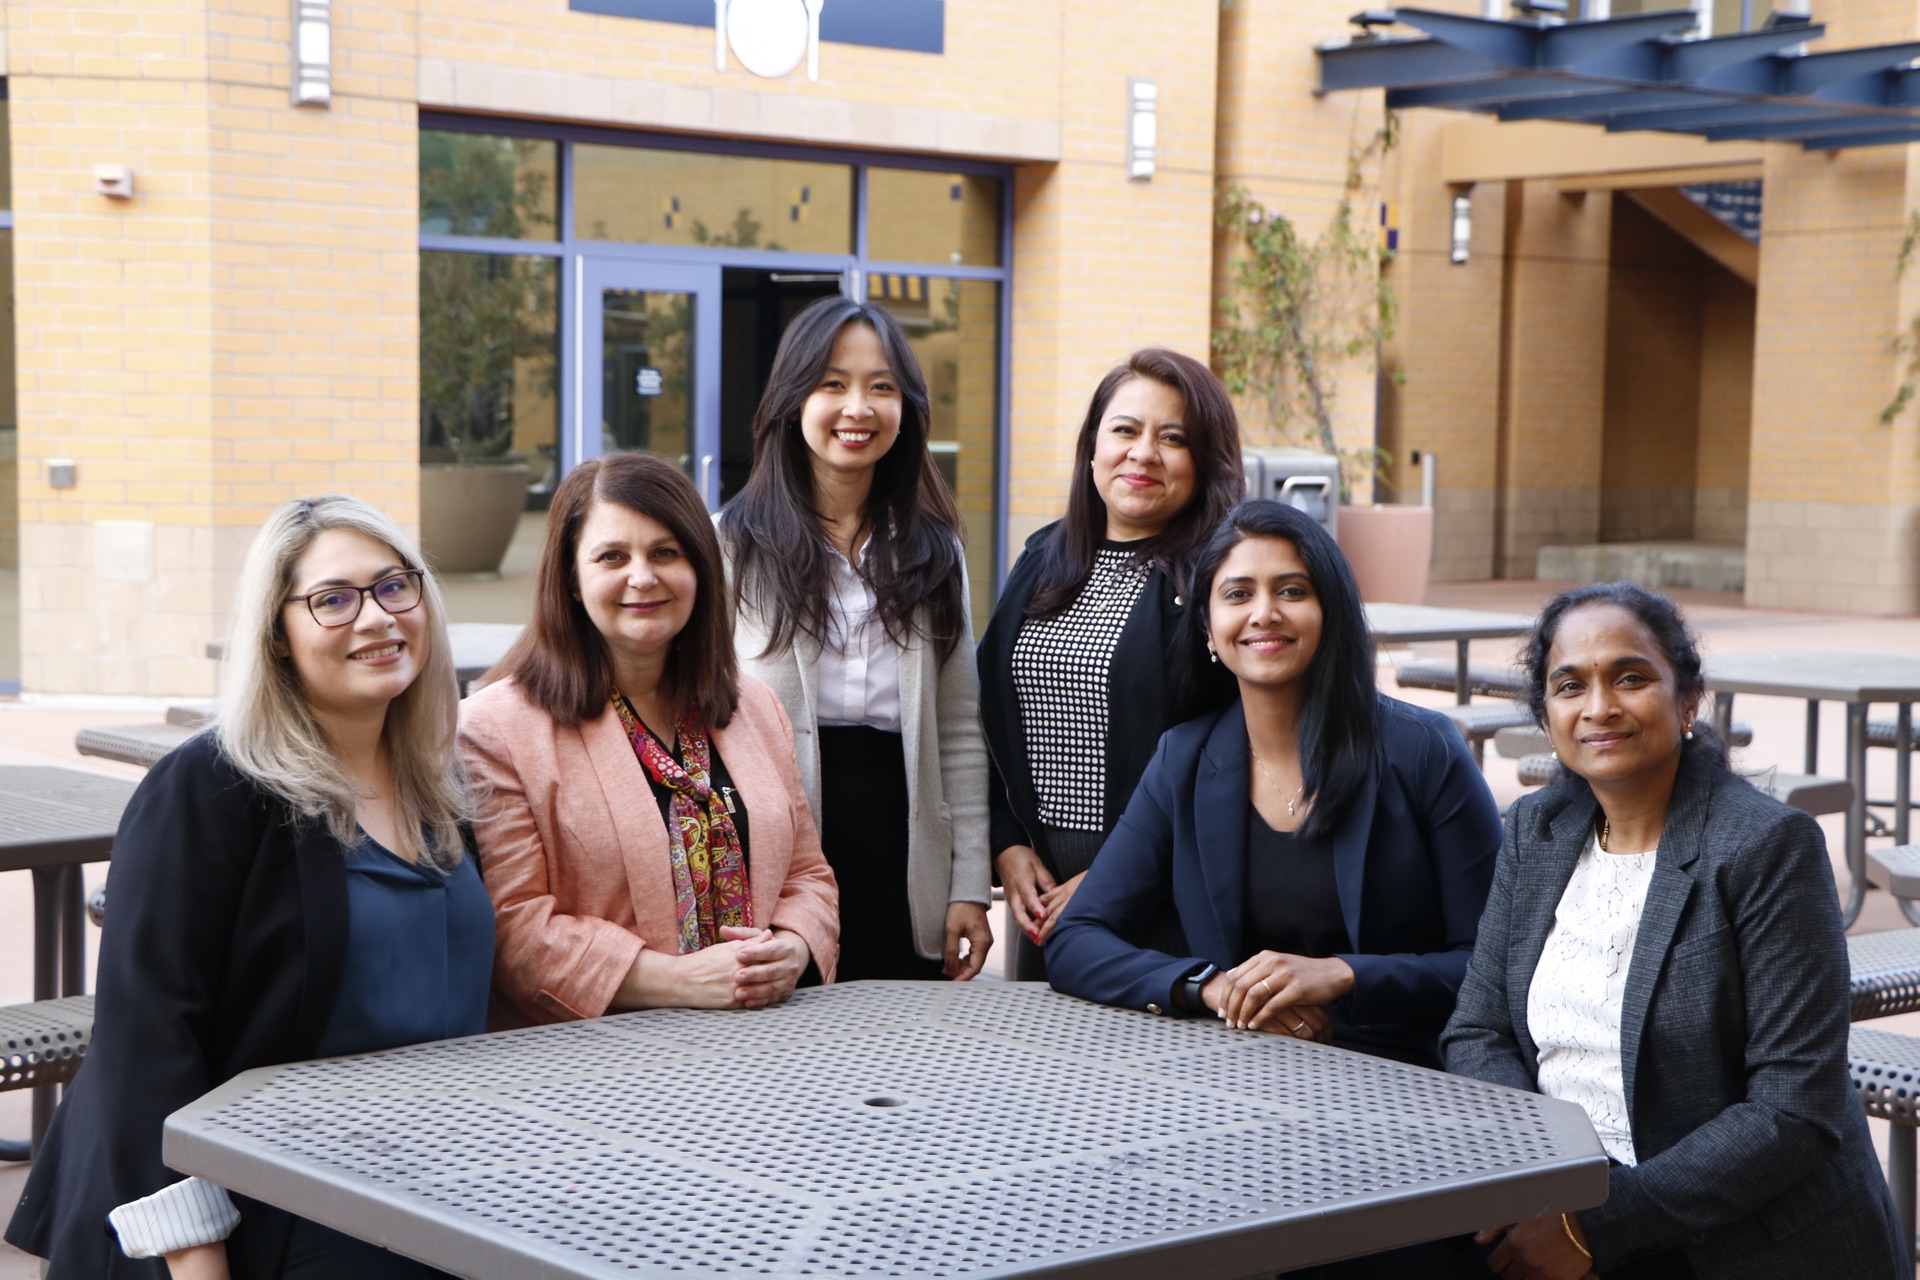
292, 884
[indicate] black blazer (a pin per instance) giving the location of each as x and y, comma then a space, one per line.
1160, 676
223, 952
1753, 1151
1413, 856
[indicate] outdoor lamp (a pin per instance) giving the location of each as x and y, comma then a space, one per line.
1462, 228
312, 53
1143, 128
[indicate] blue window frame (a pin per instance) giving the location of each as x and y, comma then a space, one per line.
854, 268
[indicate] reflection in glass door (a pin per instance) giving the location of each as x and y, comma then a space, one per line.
649, 366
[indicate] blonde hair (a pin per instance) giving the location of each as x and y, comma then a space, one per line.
268, 731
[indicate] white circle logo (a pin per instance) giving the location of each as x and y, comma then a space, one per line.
768, 36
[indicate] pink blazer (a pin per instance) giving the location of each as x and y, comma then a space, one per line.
574, 852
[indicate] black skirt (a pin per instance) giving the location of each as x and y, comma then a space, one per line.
864, 830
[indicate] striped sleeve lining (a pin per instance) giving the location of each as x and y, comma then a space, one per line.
180, 1216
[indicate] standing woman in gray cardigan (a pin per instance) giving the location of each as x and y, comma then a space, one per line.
849, 580
1663, 946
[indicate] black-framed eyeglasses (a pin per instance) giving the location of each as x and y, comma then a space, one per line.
340, 606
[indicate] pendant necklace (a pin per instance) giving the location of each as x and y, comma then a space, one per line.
1294, 799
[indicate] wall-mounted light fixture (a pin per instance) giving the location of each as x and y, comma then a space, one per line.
312, 53
1143, 128
114, 181
1462, 228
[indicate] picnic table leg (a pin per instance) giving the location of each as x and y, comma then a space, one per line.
1900, 1178
1902, 771
1813, 736
1856, 811
1462, 691
47, 883
1723, 714
73, 932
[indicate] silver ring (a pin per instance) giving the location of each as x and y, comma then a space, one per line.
1299, 1026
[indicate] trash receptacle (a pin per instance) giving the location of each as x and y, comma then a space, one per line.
1301, 478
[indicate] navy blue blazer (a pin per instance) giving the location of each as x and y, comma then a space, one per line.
1413, 860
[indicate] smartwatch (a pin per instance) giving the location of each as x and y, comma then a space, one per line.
1186, 992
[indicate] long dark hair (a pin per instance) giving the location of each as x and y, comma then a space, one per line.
1213, 438
1338, 702
561, 662
1661, 617
781, 556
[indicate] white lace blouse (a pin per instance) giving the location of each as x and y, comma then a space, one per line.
1573, 1004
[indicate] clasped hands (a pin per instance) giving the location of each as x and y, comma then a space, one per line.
1281, 993
1548, 1248
1034, 900
747, 969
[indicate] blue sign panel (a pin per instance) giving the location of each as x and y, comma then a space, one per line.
919, 26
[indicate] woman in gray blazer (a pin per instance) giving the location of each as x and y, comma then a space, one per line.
1663, 946
849, 581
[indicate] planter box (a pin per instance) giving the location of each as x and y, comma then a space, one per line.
468, 515
1390, 549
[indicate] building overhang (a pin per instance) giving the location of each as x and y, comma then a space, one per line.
1638, 74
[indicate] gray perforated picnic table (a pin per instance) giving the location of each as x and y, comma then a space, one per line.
874, 1129
1412, 623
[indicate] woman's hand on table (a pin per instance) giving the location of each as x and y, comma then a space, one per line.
1055, 901
1301, 1021
770, 963
1539, 1249
703, 979
1026, 880
1266, 991
966, 921
202, 1262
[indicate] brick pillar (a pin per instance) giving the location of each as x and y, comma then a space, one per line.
1087, 290
241, 331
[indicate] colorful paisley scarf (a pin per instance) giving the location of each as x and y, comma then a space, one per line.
709, 868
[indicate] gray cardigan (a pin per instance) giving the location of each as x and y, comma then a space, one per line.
1753, 1151
947, 859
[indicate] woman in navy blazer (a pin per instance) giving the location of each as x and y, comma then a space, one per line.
1328, 850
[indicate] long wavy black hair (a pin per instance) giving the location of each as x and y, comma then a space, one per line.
1338, 746
1213, 438
1662, 619
781, 555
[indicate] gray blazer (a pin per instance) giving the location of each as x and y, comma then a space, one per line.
1753, 1151
947, 859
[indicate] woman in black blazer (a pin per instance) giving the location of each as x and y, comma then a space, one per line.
1663, 946
1327, 849
291, 884
1091, 653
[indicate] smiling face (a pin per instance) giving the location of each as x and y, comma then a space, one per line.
1142, 468
1613, 707
1263, 617
635, 580
354, 669
852, 416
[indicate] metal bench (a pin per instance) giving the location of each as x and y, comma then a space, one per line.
1479, 722
1886, 1076
141, 744
1885, 974
41, 1043
1488, 682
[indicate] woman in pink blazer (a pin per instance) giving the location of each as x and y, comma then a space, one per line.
642, 826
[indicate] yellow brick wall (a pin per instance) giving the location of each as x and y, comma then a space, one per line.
240, 332
1289, 148
1102, 265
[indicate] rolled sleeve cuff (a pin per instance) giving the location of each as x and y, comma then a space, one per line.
182, 1216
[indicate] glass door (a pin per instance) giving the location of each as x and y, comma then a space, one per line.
648, 365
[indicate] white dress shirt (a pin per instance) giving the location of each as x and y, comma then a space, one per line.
179, 1216
859, 668
1573, 1003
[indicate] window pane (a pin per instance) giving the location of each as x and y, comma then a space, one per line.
9, 481
954, 326
6, 187
913, 216
685, 198
475, 184
488, 355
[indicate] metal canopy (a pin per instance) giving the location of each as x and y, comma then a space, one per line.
1640, 73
